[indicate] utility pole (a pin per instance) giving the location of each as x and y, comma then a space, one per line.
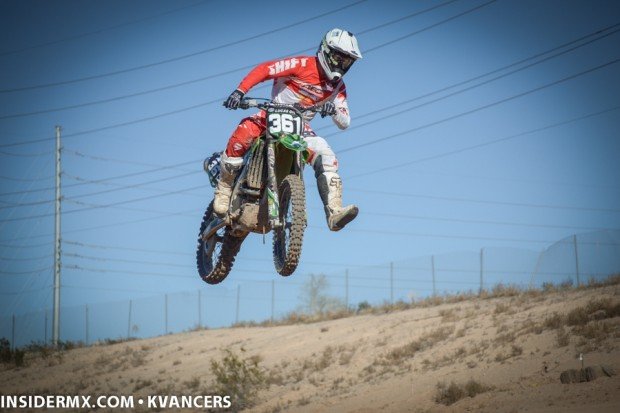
56, 319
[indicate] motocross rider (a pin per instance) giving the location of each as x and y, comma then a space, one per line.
306, 81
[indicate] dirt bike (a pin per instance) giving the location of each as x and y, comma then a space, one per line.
267, 195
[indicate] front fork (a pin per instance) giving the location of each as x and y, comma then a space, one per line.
273, 204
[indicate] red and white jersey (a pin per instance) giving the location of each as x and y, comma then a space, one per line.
299, 80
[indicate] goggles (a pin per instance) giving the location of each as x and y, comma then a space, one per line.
340, 60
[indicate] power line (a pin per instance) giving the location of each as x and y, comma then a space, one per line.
489, 105
238, 69
435, 156
116, 247
407, 17
100, 259
361, 145
132, 174
193, 254
429, 27
24, 204
40, 270
159, 167
474, 221
106, 205
165, 114
23, 291
109, 271
116, 224
367, 278
193, 214
122, 161
45, 244
426, 235
480, 145
159, 190
82, 35
138, 185
84, 287
453, 199
247, 67
27, 191
10, 178
185, 83
518, 95
361, 277
104, 180
601, 36
25, 155
27, 259
186, 56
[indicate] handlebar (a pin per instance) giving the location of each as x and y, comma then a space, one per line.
254, 103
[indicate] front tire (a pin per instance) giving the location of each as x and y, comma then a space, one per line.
288, 239
216, 256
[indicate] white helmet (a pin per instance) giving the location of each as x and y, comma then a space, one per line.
337, 53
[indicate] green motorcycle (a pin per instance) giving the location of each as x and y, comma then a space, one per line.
268, 195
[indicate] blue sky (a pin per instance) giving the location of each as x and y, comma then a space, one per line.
475, 124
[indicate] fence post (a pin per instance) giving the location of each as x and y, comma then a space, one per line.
346, 288
129, 321
166, 313
86, 324
481, 270
391, 282
540, 254
237, 312
45, 328
273, 294
13, 334
433, 269
576, 259
199, 308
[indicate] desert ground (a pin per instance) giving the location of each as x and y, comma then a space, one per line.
510, 346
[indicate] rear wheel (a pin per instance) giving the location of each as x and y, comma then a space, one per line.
288, 239
216, 256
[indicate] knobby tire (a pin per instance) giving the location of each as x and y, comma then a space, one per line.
224, 260
287, 240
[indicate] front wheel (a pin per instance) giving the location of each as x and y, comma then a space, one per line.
216, 256
288, 239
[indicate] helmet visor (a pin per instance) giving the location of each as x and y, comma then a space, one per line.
340, 61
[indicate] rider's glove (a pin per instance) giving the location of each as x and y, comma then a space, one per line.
234, 99
328, 109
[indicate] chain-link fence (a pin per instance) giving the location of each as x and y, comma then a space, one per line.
575, 259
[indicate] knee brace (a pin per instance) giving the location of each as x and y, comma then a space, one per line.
324, 163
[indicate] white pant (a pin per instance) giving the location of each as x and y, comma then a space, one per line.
322, 157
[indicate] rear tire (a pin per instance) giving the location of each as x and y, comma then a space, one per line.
288, 239
216, 256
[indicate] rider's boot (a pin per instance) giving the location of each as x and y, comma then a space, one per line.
229, 168
330, 189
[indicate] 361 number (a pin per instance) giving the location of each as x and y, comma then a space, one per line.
284, 122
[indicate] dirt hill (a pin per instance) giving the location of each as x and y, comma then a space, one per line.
507, 351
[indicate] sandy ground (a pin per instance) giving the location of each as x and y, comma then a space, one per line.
388, 362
